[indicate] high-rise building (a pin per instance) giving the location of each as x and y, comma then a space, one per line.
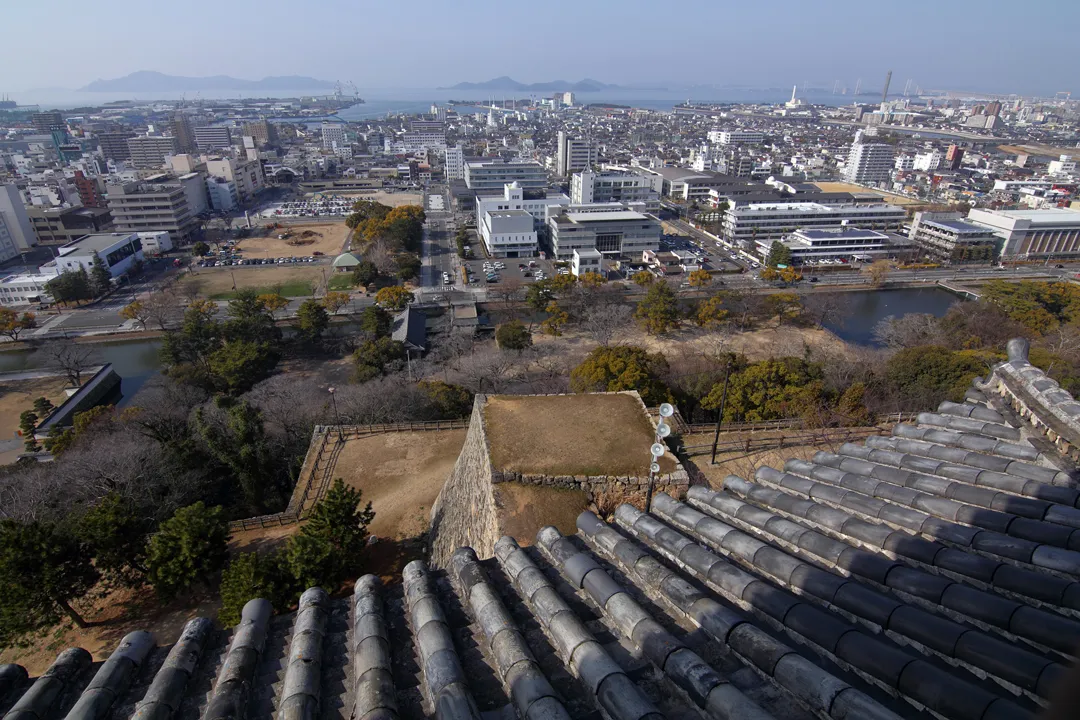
59, 226
954, 156
589, 186
495, 174
46, 122
333, 136
91, 190
113, 144
574, 155
151, 206
150, 151
264, 131
16, 233
869, 163
455, 163
181, 130
212, 137
993, 108
247, 176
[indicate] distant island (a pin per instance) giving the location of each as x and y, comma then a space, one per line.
508, 84
150, 81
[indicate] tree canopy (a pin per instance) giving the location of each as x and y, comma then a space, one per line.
394, 297
188, 548
658, 312
779, 254
623, 367
513, 335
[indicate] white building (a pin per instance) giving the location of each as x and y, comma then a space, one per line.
455, 163
246, 175
589, 186
513, 198
869, 163
736, 137
509, 233
25, 289
574, 154
1053, 232
494, 174
1063, 166
222, 193
119, 251
586, 260
844, 243
194, 185
333, 136
745, 225
927, 161
904, 162
612, 230
155, 243
211, 137
16, 231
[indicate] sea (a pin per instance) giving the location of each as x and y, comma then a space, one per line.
378, 102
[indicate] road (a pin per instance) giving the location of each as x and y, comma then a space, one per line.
438, 254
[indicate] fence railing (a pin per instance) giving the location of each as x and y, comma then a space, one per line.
317, 471
786, 423
749, 445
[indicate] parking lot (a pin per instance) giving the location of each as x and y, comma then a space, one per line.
319, 206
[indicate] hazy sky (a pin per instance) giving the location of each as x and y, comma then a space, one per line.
990, 45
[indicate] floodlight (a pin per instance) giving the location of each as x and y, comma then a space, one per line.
655, 467
667, 410
657, 450
663, 430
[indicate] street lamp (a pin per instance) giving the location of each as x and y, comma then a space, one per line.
333, 398
657, 450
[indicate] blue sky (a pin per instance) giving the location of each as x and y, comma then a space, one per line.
990, 45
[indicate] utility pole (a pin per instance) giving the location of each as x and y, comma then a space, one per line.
720, 415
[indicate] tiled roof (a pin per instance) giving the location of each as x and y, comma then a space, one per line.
930, 573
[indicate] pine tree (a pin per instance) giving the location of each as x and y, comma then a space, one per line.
189, 547
100, 277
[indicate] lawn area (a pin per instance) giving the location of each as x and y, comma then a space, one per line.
586, 434
341, 281
289, 280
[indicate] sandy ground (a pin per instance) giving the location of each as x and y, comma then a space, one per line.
385, 198
570, 435
524, 509
17, 396
214, 281
848, 187
401, 474
327, 238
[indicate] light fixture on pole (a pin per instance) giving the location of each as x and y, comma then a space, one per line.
657, 450
337, 415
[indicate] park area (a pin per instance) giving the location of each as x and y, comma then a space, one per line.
287, 280
890, 198
298, 241
401, 474
17, 396
588, 434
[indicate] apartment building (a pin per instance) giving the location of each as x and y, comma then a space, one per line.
589, 186
574, 154
746, 224
181, 130
91, 190
113, 144
946, 237
1049, 233
613, 231
59, 226
150, 151
212, 137
246, 175
455, 163
263, 132
869, 163
333, 136
736, 137
494, 174
46, 122
222, 194
148, 206
16, 233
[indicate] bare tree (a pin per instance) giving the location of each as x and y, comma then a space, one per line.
509, 292
897, 333
190, 290
162, 308
489, 370
382, 256
605, 321
72, 357
825, 308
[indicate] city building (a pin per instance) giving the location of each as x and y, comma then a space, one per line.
746, 225
927, 161
736, 137
1064, 166
59, 226
586, 260
45, 123
247, 175
946, 237
455, 163
181, 130
118, 251
492, 174
843, 244
333, 136
869, 163
156, 242
954, 156
113, 144
1049, 233
212, 137
222, 194
589, 186
508, 233
91, 190
574, 154
147, 206
514, 197
150, 151
24, 288
614, 231
16, 232
263, 131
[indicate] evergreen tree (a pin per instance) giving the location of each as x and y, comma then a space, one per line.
243, 447
115, 533
375, 322
623, 367
779, 254
100, 277
188, 548
312, 320
28, 421
658, 311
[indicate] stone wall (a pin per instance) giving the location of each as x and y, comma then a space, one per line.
589, 483
464, 514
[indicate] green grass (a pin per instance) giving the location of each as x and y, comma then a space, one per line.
341, 281
297, 288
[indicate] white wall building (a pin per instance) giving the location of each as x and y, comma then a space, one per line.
509, 234
455, 163
746, 224
222, 193
1063, 166
611, 229
25, 289
586, 260
589, 186
736, 137
155, 243
513, 198
119, 251
16, 232
574, 154
904, 162
494, 174
246, 175
1053, 232
869, 163
927, 161
333, 136
210, 137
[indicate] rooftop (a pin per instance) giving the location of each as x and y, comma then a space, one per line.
94, 243
846, 233
959, 226
617, 215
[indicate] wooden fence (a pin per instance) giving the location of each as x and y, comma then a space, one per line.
316, 474
786, 423
749, 445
